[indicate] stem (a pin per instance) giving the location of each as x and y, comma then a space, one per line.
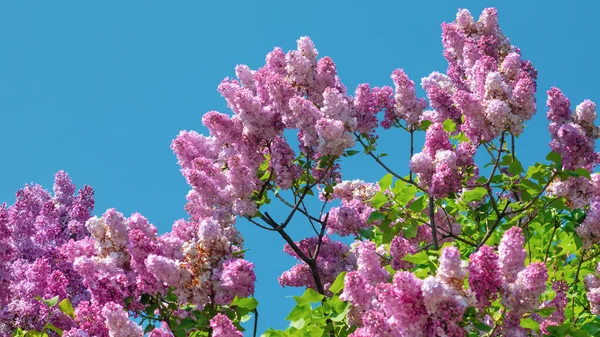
399, 177
512, 145
255, 322
412, 150
575, 281
550, 243
432, 222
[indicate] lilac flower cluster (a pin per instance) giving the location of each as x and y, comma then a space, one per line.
578, 191
409, 306
355, 210
441, 168
573, 134
487, 83
592, 285
51, 246
333, 258
33, 232
291, 91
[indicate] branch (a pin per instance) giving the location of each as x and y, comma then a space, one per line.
399, 177
432, 220
255, 322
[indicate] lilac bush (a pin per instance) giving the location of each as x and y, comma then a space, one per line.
451, 247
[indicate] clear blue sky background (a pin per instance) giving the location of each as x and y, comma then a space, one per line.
100, 89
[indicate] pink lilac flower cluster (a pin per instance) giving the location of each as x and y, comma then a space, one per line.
578, 191
592, 284
33, 232
355, 210
589, 229
441, 168
291, 91
409, 306
573, 134
51, 246
222, 327
487, 88
333, 258
559, 303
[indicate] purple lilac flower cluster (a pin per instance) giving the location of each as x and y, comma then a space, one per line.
409, 306
488, 88
52, 246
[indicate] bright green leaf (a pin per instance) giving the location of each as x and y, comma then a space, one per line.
338, 284
529, 323
67, 308
249, 303
385, 182
309, 296
49, 302
474, 195
418, 258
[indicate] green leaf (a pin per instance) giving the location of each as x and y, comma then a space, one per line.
515, 167
385, 182
49, 302
410, 230
449, 125
299, 311
481, 326
350, 153
591, 328
529, 323
418, 205
53, 328
249, 303
338, 284
67, 308
33, 333
149, 328
475, 194
418, 258
309, 296
425, 124
273, 333
583, 173
555, 157
375, 216
545, 312
299, 324
379, 200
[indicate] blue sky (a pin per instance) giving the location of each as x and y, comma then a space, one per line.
99, 89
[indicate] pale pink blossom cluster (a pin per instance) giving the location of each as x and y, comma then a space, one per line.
355, 210
409, 306
487, 88
578, 191
592, 285
589, 229
333, 258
